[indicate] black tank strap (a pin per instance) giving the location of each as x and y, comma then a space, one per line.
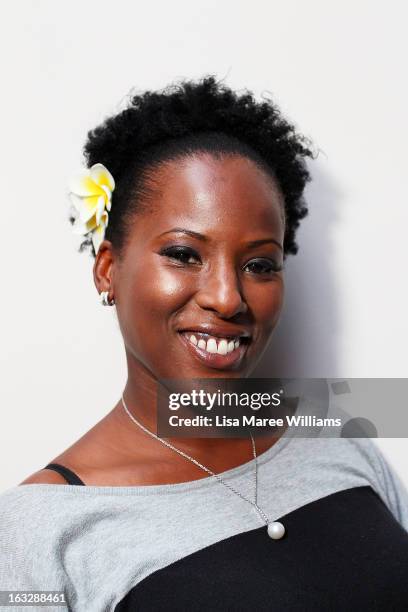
68, 474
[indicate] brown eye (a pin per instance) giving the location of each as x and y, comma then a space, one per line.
182, 254
263, 266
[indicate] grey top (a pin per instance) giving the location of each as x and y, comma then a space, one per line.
96, 543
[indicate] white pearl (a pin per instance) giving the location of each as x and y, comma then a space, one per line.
276, 530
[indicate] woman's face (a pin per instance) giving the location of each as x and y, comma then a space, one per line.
200, 287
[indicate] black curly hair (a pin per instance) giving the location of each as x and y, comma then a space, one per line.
189, 117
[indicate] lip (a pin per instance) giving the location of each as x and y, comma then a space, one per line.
214, 360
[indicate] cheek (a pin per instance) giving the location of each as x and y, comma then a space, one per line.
150, 297
161, 293
267, 303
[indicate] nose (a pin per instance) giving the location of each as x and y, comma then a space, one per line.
221, 292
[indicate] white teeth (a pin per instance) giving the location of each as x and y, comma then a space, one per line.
224, 346
211, 345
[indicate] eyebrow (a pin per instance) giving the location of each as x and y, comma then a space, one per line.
252, 244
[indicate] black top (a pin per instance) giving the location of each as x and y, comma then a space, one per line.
196, 546
346, 551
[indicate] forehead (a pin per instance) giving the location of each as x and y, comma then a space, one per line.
216, 196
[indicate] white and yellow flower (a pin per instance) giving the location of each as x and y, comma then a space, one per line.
90, 193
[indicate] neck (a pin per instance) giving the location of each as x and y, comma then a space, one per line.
140, 395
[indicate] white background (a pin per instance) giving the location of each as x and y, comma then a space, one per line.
336, 69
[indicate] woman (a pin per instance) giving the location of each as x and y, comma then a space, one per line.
190, 207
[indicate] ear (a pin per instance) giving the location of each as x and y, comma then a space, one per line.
103, 267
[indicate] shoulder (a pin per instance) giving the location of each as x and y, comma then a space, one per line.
35, 509
23, 510
30, 529
332, 462
44, 476
359, 457
364, 459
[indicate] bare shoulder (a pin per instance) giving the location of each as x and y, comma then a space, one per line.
89, 457
73, 458
44, 476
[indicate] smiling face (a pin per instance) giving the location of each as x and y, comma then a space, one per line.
216, 278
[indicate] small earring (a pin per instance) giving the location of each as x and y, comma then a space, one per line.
105, 299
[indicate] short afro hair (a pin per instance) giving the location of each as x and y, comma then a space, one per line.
185, 118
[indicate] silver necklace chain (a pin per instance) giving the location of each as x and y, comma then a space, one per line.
198, 464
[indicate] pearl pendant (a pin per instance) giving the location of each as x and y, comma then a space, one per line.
276, 530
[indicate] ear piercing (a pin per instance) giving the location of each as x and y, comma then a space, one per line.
105, 299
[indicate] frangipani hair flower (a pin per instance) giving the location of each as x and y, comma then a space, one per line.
90, 193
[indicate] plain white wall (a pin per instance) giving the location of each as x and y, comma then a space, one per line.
335, 68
